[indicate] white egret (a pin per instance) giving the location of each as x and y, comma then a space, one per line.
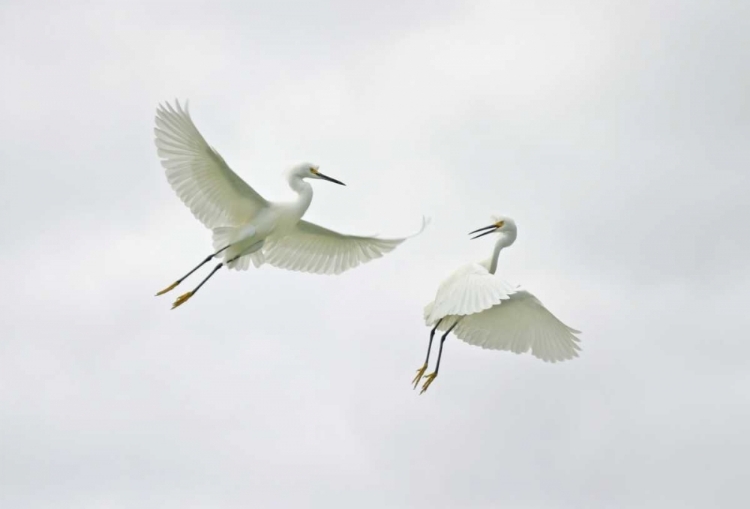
245, 226
483, 310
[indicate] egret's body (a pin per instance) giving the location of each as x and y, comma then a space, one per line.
482, 309
246, 227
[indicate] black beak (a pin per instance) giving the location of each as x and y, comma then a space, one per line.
329, 179
490, 229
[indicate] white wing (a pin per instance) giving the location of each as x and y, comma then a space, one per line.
312, 248
470, 289
521, 323
214, 193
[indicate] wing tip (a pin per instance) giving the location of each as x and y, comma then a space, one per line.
426, 220
177, 109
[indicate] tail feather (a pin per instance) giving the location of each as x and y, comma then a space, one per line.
224, 236
243, 262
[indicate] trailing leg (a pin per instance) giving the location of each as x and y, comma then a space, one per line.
420, 371
201, 264
429, 378
185, 296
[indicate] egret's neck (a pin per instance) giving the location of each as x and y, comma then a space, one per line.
304, 192
504, 241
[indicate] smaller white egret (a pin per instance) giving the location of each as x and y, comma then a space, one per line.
246, 227
484, 310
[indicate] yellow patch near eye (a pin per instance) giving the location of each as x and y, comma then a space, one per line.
500, 224
313, 170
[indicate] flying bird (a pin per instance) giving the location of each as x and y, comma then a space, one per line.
482, 309
246, 227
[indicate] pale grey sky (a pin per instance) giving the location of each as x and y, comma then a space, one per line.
614, 133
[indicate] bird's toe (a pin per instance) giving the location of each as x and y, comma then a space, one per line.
420, 374
169, 288
182, 299
428, 380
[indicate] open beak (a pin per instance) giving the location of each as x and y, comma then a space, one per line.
329, 179
490, 229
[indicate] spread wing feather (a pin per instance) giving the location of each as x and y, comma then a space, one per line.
214, 193
314, 249
468, 290
519, 324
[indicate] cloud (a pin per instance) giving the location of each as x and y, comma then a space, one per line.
614, 135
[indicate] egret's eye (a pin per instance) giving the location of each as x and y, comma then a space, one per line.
500, 224
314, 171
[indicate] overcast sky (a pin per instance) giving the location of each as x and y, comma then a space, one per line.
615, 133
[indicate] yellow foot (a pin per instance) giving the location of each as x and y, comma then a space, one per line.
420, 374
169, 288
429, 379
182, 299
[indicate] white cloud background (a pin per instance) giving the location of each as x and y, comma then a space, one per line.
614, 133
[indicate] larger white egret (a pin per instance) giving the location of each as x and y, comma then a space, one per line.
484, 310
245, 226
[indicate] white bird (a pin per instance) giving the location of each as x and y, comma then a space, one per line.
484, 310
245, 226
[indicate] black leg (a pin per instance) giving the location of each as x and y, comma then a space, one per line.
207, 278
185, 296
429, 378
432, 335
201, 264
420, 371
440, 352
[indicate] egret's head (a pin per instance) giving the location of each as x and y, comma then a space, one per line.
502, 225
310, 171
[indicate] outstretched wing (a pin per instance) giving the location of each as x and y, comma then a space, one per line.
470, 289
312, 248
215, 194
519, 324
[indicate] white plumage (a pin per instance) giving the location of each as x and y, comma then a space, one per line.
312, 248
518, 324
482, 309
215, 194
246, 227
470, 289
